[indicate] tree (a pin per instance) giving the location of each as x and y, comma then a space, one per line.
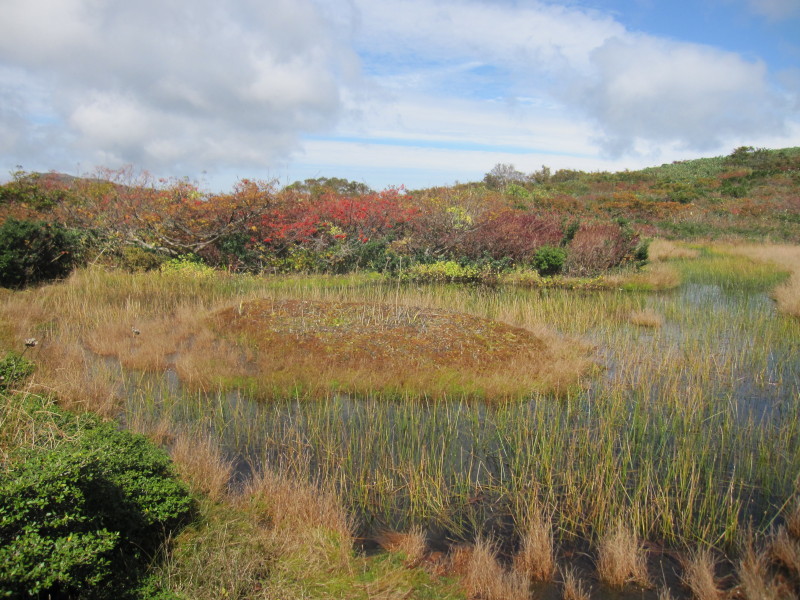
502, 175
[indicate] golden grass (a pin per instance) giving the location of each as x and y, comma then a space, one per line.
622, 558
411, 544
786, 550
755, 580
787, 295
312, 341
200, 463
536, 557
700, 574
793, 519
661, 250
647, 317
298, 510
362, 348
573, 585
483, 577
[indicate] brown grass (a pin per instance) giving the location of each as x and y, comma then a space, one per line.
786, 550
699, 574
412, 544
662, 250
647, 317
360, 348
793, 520
755, 580
622, 558
787, 295
536, 557
483, 577
573, 585
202, 465
301, 512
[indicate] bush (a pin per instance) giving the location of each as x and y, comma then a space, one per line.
549, 260
31, 252
85, 518
599, 247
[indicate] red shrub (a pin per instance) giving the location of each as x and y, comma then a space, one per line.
597, 247
511, 234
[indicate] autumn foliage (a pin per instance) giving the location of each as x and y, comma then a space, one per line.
136, 221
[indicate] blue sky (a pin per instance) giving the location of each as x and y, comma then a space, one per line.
391, 92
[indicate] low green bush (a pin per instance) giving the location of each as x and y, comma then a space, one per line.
32, 252
549, 260
447, 271
84, 519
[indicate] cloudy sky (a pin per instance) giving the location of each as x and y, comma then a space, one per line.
391, 92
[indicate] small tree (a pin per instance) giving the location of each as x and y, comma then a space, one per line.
502, 175
31, 252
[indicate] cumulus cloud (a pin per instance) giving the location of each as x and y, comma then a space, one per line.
639, 92
654, 90
195, 82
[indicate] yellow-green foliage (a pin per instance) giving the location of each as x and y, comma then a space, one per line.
447, 271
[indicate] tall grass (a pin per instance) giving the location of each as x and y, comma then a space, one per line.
688, 431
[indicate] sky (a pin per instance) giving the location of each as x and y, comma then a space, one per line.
390, 93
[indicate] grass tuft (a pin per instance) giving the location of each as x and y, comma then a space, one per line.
621, 558
573, 585
484, 577
536, 557
700, 574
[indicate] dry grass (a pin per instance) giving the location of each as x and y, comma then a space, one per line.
755, 580
412, 544
299, 512
787, 295
663, 250
201, 464
786, 550
700, 574
621, 558
483, 577
573, 585
536, 557
793, 520
212, 334
376, 348
647, 317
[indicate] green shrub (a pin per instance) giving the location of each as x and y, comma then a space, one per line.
14, 368
549, 260
85, 518
31, 252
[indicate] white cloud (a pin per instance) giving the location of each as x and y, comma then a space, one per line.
184, 86
654, 90
142, 81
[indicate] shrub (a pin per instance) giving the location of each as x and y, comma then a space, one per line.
549, 260
31, 252
83, 519
511, 234
598, 247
